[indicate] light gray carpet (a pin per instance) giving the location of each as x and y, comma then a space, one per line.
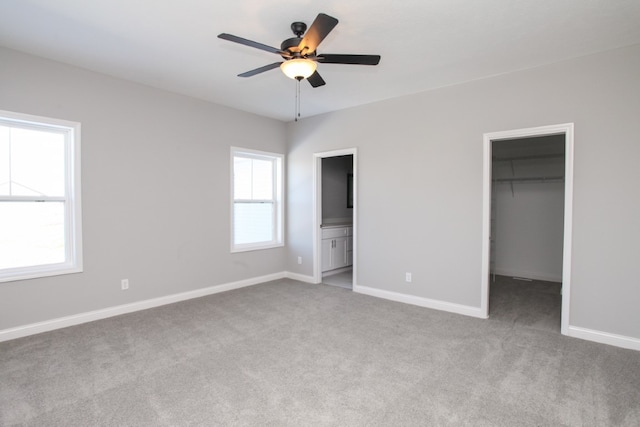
292, 354
530, 304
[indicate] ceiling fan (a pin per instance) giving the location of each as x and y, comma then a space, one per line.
299, 53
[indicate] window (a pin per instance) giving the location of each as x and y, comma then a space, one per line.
256, 192
40, 230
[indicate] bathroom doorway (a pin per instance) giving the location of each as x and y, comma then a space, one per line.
335, 226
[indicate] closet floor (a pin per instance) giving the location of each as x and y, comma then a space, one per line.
532, 304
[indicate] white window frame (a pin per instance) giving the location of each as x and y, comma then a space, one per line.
278, 199
71, 199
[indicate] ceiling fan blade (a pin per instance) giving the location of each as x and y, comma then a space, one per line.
329, 58
315, 80
321, 27
251, 43
260, 70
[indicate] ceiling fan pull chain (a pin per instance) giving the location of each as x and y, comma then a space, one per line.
298, 83
295, 114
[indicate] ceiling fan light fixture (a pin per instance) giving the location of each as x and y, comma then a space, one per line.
298, 68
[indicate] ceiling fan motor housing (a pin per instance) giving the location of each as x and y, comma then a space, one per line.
291, 45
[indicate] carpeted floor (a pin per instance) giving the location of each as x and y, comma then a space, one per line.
526, 304
286, 353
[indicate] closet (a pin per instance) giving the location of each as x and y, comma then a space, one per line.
527, 231
527, 209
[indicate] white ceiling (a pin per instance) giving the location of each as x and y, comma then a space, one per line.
424, 44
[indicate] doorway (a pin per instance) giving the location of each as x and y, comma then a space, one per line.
335, 230
524, 169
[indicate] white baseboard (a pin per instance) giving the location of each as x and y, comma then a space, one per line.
299, 277
420, 301
63, 322
574, 331
90, 316
604, 338
528, 275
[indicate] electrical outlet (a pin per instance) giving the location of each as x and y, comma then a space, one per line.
124, 284
299, 260
407, 277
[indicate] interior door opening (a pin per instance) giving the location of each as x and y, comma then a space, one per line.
335, 229
337, 221
527, 223
527, 227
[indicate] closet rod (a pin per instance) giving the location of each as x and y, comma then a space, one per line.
536, 178
532, 157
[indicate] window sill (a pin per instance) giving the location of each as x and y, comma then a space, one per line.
37, 272
247, 248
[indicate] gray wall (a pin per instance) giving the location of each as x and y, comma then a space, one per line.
529, 235
155, 189
420, 182
334, 188
156, 174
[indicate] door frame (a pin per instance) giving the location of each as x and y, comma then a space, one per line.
317, 210
488, 138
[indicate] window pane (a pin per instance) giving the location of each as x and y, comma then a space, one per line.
31, 233
262, 179
35, 165
242, 178
252, 179
252, 223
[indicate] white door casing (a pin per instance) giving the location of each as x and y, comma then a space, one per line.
565, 129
